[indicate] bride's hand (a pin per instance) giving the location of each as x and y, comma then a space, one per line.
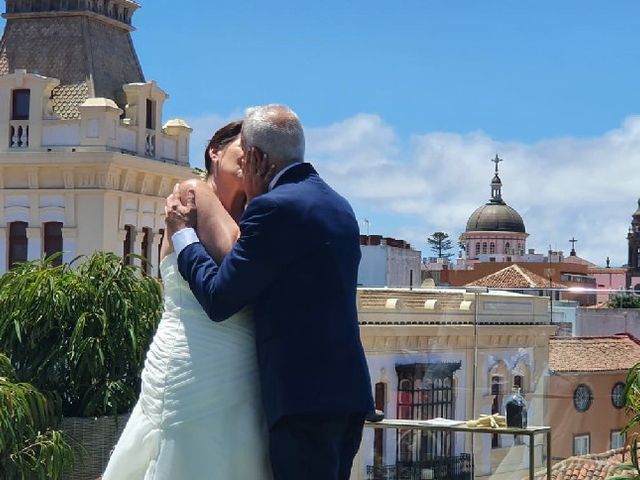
177, 214
257, 173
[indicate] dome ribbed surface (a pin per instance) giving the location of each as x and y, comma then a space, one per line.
495, 217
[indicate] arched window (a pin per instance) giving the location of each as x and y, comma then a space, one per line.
492, 247
484, 247
128, 245
53, 241
477, 248
520, 250
507, 247
17, 243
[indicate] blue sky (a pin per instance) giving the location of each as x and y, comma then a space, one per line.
406, 102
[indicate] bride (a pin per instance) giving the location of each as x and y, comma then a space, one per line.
199, 414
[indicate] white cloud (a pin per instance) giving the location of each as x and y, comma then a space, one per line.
563, 187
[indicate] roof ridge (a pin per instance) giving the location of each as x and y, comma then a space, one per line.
596, 337
525, 273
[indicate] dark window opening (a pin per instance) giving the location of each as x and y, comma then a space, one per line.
18, 243
21, 100
151, 115
128, 245
53, 241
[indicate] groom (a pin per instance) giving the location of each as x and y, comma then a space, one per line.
296, 262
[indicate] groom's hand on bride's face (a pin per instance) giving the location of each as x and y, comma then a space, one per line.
257, 173
179, 215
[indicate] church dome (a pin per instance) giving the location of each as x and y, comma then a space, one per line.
495, 215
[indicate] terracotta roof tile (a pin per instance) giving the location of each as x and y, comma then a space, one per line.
593, 354
588, 467
514, 276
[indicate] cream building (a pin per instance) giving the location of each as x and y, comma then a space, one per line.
428, 351
85, 161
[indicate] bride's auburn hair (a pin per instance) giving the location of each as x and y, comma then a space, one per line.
223, 137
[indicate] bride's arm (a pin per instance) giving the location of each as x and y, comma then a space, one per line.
217, 231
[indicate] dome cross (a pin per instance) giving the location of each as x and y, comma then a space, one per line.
497, 160
573, 242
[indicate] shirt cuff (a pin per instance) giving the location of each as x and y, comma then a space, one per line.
183, 238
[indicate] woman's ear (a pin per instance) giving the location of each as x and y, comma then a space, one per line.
214, 155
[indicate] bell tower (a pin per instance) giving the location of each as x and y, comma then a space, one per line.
86, 44
633, 238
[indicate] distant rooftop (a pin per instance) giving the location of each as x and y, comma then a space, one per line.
515, 276
380, 240
588, 467
593, 354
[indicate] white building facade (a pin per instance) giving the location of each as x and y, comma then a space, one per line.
85, 161
387, 262
427, 359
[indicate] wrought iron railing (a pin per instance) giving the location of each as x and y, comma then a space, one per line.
440, 468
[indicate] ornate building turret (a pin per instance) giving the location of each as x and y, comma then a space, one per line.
85, 160
86, 44
633, 239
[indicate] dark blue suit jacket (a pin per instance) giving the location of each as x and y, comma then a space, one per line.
296, 262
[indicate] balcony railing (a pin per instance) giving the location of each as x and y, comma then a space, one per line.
19, 134
440, 468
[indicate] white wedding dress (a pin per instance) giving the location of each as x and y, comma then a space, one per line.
199, 415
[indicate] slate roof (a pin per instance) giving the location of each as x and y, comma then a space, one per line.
514, 276
66, 99
89, 57
593, 354
588, 467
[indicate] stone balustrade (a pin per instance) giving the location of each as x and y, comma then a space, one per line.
19, 133
167, 144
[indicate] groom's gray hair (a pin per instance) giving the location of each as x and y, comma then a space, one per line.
276, 130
